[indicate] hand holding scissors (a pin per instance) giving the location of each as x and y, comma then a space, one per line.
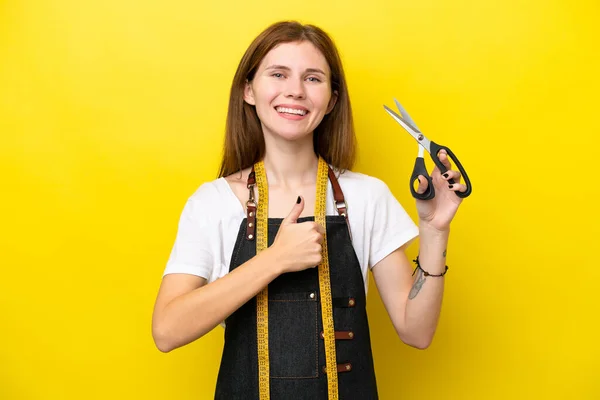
433, 149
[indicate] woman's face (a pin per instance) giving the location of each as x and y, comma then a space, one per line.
291, 91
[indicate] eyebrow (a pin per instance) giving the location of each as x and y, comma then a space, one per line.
310, 70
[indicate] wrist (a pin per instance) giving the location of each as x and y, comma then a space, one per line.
427, 228
274, 260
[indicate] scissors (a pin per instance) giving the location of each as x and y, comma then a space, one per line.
433, 149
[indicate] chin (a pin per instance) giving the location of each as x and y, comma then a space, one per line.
294, 136
288, 133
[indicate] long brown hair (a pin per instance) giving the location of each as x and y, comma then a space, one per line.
334, 139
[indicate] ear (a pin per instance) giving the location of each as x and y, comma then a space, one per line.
249, 94
332, 101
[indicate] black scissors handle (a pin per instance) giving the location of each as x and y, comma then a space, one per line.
419, 169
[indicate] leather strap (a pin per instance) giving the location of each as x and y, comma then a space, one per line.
251, 207
341, 335
338, 196
345, 367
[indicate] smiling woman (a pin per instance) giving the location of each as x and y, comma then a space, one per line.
300, 58
285, 268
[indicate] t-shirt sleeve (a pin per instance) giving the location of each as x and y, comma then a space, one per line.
391, 226
193, 251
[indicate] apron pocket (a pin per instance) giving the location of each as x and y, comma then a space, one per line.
293, 335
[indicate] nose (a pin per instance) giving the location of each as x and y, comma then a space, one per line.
295, 89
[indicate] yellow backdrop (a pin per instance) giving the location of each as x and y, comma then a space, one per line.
112, 113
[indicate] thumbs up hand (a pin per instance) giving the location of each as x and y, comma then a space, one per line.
298, 245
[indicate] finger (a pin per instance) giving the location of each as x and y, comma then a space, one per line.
320, 238
451, 174
457, 187
319, 228
444, 159
422, 185
295, 212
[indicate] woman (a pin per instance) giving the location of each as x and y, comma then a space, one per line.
277, 249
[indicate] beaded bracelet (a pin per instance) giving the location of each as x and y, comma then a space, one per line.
416, 261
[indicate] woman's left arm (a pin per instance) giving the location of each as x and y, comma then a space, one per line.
414, 302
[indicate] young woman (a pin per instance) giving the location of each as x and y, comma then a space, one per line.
277, 249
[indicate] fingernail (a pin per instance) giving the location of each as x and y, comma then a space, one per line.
445, 175
450, 186
299, 200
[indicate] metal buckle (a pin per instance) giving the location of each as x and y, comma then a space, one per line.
251, 195
340, 205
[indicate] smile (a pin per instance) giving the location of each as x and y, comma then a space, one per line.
287, 110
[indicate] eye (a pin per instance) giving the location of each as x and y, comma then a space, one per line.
277, 75
314, 79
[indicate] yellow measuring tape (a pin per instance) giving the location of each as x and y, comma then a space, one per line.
262, 300
325, 284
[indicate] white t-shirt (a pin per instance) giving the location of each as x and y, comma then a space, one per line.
212, 215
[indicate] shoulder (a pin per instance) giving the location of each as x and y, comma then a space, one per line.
207, 192
238, 183
211, 200
370, 196
360, 185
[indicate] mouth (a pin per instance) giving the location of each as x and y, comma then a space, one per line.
291, 110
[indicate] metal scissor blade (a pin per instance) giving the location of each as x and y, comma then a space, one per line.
415, 133
406, 117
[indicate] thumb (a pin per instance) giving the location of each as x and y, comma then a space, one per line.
296, 211
422, 185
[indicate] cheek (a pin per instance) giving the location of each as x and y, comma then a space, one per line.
265, 100
321, 98
266, 94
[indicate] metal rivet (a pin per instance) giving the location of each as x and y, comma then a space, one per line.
312, 295
251, 214
250, 236
351, 302
250, 224
348, 367
350, 335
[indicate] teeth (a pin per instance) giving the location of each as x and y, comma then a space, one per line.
290, 111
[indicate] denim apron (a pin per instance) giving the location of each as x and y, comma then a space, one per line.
296, 347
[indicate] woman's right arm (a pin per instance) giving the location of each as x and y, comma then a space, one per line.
187, 308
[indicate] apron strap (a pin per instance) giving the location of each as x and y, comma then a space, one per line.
251, 207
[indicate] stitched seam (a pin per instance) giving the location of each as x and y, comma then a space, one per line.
317, 341
290, 301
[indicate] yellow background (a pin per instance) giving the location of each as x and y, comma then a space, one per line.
112, 113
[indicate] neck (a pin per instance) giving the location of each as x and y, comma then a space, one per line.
290, 164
